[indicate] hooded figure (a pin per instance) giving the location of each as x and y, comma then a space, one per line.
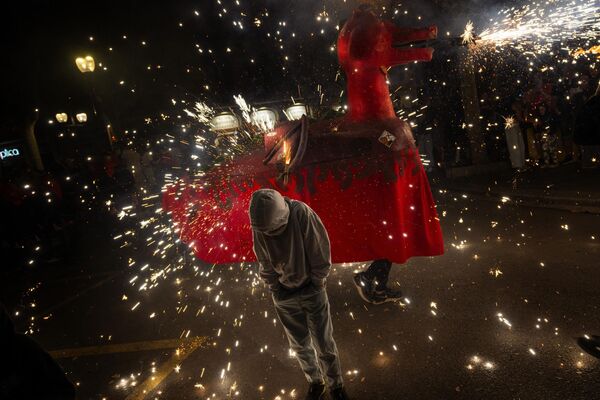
290, 242
292, 248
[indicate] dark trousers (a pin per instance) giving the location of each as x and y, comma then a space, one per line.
379, 272
306, 319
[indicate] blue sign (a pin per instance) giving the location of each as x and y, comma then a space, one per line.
9, 152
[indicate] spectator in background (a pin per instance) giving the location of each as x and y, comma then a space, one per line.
147, 165
587, 131
132, 161
425, 144
534, 134
549, 136
514, 137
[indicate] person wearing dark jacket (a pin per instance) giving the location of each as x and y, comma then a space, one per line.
587, 131
293, 251
27, 372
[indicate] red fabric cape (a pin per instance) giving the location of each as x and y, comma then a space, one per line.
378, 206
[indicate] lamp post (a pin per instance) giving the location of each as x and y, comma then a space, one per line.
225, 123
296, 111
86, 65
81, 117
265, 118
62, 117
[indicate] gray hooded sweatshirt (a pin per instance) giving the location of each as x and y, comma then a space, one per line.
290, 242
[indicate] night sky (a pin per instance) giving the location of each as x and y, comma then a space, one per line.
42, 39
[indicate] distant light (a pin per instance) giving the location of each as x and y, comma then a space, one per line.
225, 122
62, 117
85, 64
296, 111
81, 117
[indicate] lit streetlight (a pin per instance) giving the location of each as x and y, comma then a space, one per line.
265, 118
296, 111
225, 122
62, 117
85, 64
81, 117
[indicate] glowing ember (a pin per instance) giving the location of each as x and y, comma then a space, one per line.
468, 36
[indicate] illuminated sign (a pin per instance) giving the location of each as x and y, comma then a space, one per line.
6, 153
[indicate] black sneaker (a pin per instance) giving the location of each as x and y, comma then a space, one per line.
339, 394
386, 295
364, 287
316, 391
591, 344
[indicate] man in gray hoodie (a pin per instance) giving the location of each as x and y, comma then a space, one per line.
292, 248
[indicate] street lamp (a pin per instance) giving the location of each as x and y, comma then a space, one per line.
81, 117
226, 122
85, 64
296, 111
265, 118
62, 117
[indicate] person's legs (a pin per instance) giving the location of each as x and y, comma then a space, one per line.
379, 272
553, 145
372, 283
546, 148
295, 323
316, 305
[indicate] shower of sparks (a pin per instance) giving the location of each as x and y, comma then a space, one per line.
201, 112
537, 25
244, 108
468, 35
509, 122
531, 28
592, 50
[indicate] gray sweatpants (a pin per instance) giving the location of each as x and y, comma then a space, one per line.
307, 322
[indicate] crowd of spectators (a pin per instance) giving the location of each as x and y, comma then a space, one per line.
42, 210
538, 99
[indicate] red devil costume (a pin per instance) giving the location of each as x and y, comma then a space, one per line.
362, 173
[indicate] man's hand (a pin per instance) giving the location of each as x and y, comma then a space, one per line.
319, 283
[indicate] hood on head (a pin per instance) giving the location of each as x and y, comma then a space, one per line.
269, 212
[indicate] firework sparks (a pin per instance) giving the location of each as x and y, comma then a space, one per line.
201, 112
244, 107
509, 122
592, 50
540, 24
468, 35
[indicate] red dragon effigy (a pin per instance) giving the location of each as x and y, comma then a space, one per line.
361, 173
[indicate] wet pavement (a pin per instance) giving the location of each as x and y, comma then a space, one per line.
496, 317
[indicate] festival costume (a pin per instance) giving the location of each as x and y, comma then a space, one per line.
361, 173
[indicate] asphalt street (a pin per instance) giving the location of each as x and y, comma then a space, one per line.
496, 317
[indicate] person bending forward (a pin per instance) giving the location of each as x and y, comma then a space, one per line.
293, 251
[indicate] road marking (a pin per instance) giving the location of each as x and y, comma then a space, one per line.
182, 352
126, 347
